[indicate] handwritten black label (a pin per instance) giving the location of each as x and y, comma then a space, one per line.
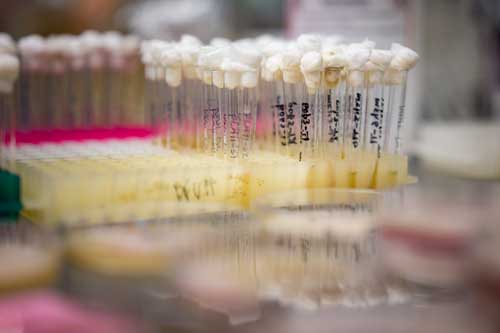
305, 121
333, 119
290, 118
357, 121
280, 111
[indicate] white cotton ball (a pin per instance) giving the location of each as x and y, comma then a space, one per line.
404, 58
190, 40
211, 57
218, 78
220, 42
31, 45
232, 79
290, 58
357, 55
245, 54
381, 58
230, 65
249, 79
309, 42
170, 57
311, 62
173, 76
273, 64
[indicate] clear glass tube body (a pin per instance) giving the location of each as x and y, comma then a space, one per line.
375, 112
356, 112
334, 115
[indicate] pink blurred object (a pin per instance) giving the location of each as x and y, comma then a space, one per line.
49, 312
81, 134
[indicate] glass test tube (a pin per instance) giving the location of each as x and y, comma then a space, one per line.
191, 106
310, 123
279, 117
78, 91
248, 117
396, 81
375, 117
212, 120
334, 116
232, 99
356, 112
117, 79
293, 97
59, 85
98, 88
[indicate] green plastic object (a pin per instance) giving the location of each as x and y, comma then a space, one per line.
10, 203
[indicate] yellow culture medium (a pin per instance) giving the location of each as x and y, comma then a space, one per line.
93, 189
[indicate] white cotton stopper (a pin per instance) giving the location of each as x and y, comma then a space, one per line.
156, 48
381, 58
91, 40
7, 44
211, 57
112, 41
76, 54
356, 78
309, 42
190, 40
31, 45
232, 79
273, 64
310, 65
220, 42
173, 76
404, 58
311, 62
335, 56
292, 76
357, 55
249, 79
218, 78
290, 58
246, 54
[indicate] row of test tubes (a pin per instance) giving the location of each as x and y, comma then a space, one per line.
79, 81
330, 99
308, 98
